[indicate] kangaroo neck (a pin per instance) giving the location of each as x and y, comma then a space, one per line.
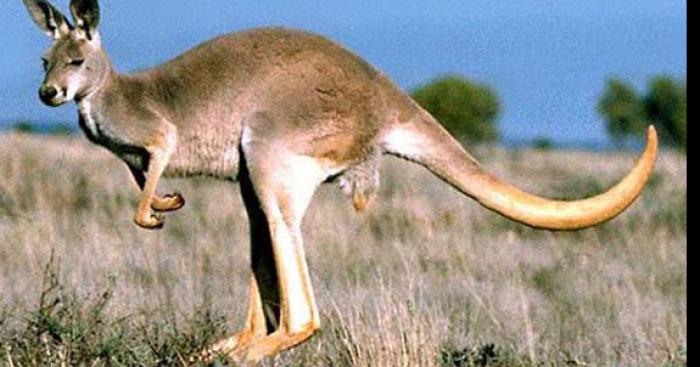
95, 91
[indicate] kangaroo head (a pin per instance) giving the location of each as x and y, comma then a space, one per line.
75, 64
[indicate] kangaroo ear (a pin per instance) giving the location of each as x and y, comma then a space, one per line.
48, 18
86, 14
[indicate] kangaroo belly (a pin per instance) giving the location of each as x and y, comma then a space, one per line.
214, 155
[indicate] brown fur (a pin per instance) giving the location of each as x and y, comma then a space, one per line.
282, 111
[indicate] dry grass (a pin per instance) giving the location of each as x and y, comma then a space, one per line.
425, 278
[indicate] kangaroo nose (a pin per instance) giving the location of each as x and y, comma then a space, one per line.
47, 93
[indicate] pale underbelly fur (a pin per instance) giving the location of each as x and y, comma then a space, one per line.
217, 157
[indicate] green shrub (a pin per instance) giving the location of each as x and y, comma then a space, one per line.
468, 110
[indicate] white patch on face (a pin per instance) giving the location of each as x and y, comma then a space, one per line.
72, 88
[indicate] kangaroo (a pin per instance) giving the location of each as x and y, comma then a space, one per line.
280, 111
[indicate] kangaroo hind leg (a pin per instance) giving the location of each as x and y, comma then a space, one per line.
277, 186
284, 185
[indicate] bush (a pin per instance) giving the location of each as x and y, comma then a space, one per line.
468, 110
24, 127
664, 104
622, 109
543, 143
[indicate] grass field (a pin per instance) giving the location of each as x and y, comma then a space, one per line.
424, 278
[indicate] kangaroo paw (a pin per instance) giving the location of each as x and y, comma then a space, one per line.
153, 221
168, 203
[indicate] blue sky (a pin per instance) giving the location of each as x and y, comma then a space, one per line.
548, 59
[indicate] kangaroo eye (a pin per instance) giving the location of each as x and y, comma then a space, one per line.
45, 64
76, 62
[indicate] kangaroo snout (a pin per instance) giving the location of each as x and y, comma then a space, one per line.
49, 93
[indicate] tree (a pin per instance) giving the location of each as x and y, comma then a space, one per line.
622, 109
664, 104
466, 109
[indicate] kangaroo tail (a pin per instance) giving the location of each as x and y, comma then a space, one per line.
424, 141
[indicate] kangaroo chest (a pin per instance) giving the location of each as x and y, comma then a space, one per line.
102, 135
90, 127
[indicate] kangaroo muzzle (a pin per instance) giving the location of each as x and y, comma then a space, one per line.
52, 96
